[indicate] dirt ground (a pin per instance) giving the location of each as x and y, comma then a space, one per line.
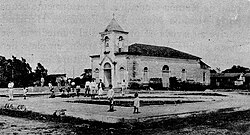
223, 124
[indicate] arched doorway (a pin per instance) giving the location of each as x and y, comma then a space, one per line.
107, 74
122, 74
145, 74
165, 76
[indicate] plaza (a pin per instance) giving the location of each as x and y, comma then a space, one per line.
155, 105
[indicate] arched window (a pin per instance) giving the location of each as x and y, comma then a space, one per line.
107, 66
106, 40
183, 75
165, 76
165, 68
120, 44
145, 74
120, 38
122, 73
96, 70
122, 68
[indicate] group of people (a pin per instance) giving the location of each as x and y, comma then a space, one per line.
10, 91
91, 88
110, 96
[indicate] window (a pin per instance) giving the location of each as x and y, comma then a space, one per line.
96, 70
145, 74
122, 74
120, 44
204, 76
120, 38
165, 69
107, 66
106, 40
183, 75
122, 68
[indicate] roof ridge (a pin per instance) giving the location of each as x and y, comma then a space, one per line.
160, 51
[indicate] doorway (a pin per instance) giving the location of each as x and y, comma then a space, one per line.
107, 74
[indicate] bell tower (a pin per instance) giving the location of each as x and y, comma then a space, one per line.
114, 39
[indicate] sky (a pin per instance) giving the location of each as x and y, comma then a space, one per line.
62, 34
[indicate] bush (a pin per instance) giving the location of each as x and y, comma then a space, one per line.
187, 86
155, 83
176, 84
134, 85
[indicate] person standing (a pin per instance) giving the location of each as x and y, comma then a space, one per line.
42, 82
110, 96
136, 103
67, 87
25, 91
87, 88
51, 89
78, 88
123, 87
10, 87
100, 87
73, 85
93, 88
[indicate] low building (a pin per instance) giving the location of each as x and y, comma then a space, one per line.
230, 80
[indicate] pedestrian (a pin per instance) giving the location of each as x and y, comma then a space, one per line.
78, 88
110, 96
67, 87
25, 91
42, 82
136, 103
93, 88
87, 88
10, 87
100, 87
73, 84
123, 87
51, 89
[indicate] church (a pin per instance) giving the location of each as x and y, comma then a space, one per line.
139, 63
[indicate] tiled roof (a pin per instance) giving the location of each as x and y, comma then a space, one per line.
113, 26
159, 51
225, 75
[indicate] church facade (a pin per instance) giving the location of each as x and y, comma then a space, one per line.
119, 61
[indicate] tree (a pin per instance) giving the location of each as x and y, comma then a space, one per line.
16, 70
86, 76
40, 72
237, 69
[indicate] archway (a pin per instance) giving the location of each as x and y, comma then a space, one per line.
107, 74
165, 76
145, 74
122, 74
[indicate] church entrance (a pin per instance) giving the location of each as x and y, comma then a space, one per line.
107, 74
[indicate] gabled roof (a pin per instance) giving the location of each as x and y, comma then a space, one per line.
159, 51
113, 25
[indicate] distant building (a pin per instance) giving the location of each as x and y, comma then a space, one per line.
139, 62
55, 79
230, 80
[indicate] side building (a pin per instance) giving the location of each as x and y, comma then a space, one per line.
119, 61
